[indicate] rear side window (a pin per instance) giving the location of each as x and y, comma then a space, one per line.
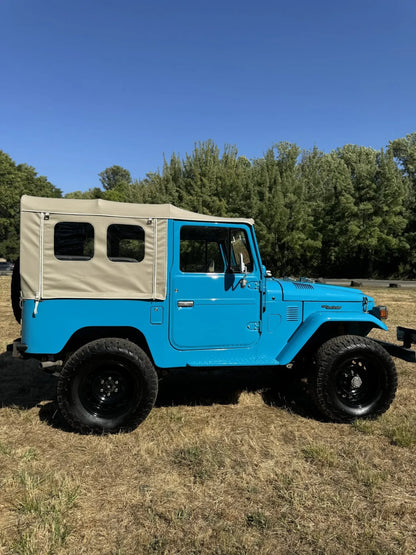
125, 243
73, 241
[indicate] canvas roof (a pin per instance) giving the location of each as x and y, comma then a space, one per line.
44, 276
121, 209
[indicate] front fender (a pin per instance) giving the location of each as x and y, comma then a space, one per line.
311, 325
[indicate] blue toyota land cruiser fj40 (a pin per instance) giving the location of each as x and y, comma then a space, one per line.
111, 294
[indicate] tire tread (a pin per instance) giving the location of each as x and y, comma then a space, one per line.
97, 348
326, 356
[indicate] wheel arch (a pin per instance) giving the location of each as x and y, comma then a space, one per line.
328, 330
318, 328
91, 333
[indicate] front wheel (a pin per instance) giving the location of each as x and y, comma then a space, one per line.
107, 386
353, 377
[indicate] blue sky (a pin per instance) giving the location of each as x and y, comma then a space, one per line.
88, 84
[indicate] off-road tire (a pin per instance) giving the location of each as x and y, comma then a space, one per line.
15, 292
353, 377
107, 386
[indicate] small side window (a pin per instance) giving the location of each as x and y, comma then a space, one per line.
73, 241
125, 243
240, 246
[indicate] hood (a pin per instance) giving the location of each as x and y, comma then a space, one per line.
305, 291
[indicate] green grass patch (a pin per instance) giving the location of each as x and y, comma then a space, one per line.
399, 429
320, 454
42, 505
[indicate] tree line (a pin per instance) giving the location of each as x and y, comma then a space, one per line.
349, 213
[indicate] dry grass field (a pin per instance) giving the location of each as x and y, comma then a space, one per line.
206, 477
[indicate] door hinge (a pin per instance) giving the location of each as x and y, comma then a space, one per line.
254, 326
253, 285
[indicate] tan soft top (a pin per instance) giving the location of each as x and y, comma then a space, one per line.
44, 276
100, 207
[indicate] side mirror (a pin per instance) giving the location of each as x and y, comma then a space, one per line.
267, 273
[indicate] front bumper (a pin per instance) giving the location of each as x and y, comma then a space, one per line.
408, 336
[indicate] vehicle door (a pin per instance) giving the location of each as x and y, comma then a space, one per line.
215, 287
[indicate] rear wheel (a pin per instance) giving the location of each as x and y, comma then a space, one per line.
353, 377
107, 386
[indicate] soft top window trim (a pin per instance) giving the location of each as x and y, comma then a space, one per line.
94, 215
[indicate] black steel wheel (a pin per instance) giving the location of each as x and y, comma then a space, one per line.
354, 377
107, 386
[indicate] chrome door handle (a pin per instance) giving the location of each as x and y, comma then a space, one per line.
185, 303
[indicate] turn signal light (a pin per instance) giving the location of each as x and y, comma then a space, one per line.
384, 312
380, 312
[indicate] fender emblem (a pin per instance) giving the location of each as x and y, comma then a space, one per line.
327, 307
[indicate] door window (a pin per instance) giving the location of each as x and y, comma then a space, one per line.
200, 250
205, 249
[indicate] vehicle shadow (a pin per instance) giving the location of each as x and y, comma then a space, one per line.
23, 384
279, 387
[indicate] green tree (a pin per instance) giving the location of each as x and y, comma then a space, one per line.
342, 213
113, 176
125, 192
285, 217
205, 181
330, 194
15, 181
379, 220
95, 192
404, 152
